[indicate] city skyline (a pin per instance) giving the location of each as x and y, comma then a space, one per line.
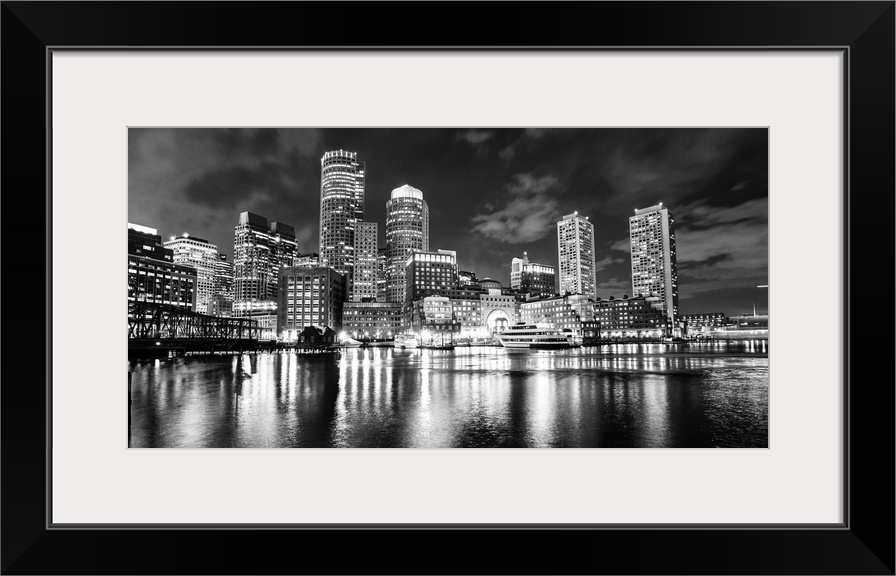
488, 202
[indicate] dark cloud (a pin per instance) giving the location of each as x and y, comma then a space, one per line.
493, 192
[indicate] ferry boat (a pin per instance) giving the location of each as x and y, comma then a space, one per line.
537, 336
406, 341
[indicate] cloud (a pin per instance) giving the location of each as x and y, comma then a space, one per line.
613, 286
529, 214
607, 261
476, 137
623, 245
507, 153
535, 132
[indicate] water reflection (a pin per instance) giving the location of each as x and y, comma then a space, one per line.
625, 395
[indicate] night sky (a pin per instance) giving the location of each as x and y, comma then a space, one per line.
492, 193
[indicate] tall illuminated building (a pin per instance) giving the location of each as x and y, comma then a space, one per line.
536, 279
575, 247
341, 208
202, 256
364, 285
654, 262
283, 250
253, 267
407, 231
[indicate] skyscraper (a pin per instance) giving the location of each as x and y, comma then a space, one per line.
536, 279
575, 247
366, 253
341, 208
283, 250
259, 251
407, 230
202, 256
654, 262
253, 271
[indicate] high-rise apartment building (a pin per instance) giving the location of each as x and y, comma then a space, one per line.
536, 279
654, 262
407, 231
575, 247
202, 256
364, 286
253, 270
341, 208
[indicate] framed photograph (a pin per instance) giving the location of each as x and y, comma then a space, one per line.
360, 273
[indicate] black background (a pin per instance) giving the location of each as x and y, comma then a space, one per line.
865, 545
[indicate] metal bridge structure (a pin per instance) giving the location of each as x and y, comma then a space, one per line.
148, 320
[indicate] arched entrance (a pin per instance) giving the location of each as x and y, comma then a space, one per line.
497, 321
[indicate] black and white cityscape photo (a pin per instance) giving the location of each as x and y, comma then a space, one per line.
448, 287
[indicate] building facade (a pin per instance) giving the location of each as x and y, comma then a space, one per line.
433, 319
654, 260
704, 322
538, 280
407, 231
371, 320
575, 250
152, 274
309, 297
364, 283
574, 312
342, 183
466, 278
630, 317
202, 256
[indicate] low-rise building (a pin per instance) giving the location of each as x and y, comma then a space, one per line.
432, 318
703, 323
625, 317
573, 312
309, 297
371, 320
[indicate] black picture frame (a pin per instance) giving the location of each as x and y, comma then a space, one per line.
864, 31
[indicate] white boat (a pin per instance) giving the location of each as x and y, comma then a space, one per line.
406, 341
538, 336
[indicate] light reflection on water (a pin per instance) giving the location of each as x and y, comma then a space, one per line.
627, 395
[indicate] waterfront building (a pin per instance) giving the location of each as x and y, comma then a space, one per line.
743, 327
575, 249
202, 256
573, 311
371, 320
153, 276
382, 267
630, 317
311, 260
342, 183
407, 231
309, 297
467, 312
654, 261
433, 319
704, 322
466, 278
538, 280
253, 266
498, 309
364, 286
